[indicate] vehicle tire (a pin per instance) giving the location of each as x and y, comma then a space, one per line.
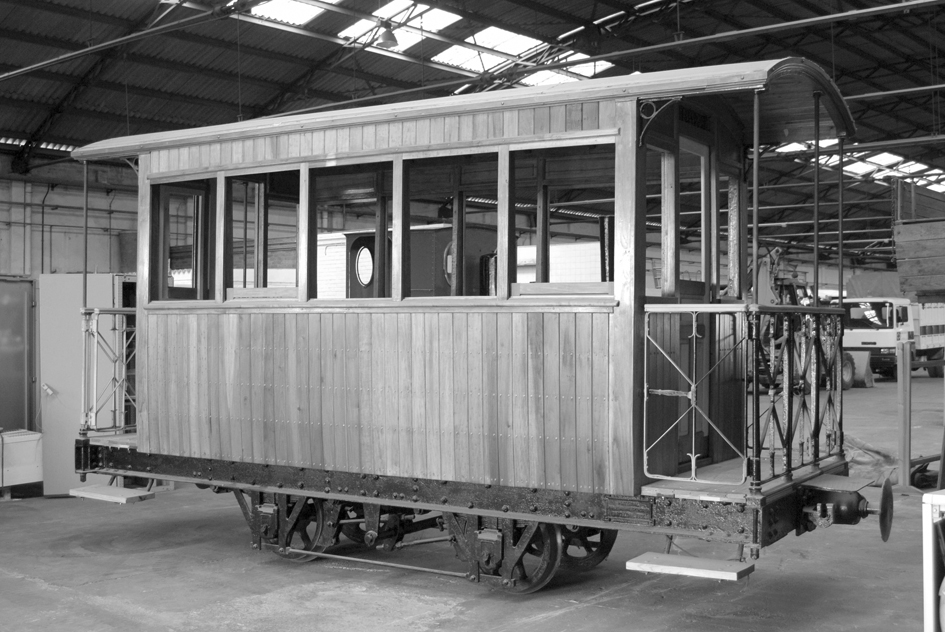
847, 371
937, 371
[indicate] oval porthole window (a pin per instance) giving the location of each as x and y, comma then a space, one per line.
364, 266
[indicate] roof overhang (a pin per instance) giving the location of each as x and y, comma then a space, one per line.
786, 87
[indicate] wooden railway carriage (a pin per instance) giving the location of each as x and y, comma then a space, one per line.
514, 315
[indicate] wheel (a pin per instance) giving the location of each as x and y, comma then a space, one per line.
847, 372
307, 530
540, 561
937, 371
585, 548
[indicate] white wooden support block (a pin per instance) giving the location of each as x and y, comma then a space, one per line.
691, 566
109, 493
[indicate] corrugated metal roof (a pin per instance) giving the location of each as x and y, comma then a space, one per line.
214, 70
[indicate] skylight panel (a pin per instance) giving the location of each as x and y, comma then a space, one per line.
468, 59
546, 78
492, 37
418, 16
503, 41
885, 159
589, 69
288, 11
859, 168
911, 167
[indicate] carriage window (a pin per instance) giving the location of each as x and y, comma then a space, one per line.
564, 202
262, 231
350, 208
453, 226
182, 241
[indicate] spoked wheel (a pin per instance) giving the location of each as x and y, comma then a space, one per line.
307, 530
540, 561
584, 547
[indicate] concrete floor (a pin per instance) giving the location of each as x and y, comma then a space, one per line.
183, 562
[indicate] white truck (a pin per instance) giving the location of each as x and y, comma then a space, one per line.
876, 324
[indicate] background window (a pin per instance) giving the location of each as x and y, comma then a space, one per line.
182, 240
564, 206
453, 226
350, 209
262, 231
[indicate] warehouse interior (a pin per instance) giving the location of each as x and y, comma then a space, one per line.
76, 72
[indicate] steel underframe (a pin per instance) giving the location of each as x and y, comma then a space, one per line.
755, 521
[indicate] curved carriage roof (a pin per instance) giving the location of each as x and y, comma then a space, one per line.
786, 102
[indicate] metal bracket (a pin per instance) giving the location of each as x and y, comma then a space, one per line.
649, 111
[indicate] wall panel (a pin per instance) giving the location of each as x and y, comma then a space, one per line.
515, 399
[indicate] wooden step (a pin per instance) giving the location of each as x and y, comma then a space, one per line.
112, 494
691, 566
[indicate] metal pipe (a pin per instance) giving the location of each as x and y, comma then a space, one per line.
892, 93
134, 37
816, 199
755, 172
85, 234
840, 224
345, 558
860, 147
904, 370
756, 404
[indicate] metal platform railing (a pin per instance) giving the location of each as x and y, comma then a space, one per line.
754, 387
108, 389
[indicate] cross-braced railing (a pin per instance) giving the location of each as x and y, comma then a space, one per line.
730, 393
796, 391
108, 390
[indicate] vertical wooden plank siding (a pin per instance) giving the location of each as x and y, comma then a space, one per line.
584, 401
379, 410
602, 399
519, 399
432, 394
352, 401
534, 385
402, 396
177, 393
490, 399
365, 390
315, 380
566, 404
474, 431
329, 419
447, 417
267, 334
391, 409
550, 401
418, 395
504, 403
212, 369
279, 379
201, 406
290, 391
520, 426
339, 400
460, 435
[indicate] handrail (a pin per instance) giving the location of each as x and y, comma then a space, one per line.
108, 350
749, 378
